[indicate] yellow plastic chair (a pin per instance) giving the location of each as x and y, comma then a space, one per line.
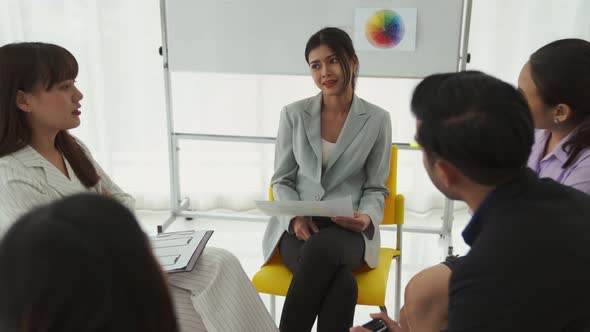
274, 278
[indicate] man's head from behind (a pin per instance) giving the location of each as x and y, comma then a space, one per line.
473, 129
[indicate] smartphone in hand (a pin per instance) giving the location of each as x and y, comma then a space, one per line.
376, 325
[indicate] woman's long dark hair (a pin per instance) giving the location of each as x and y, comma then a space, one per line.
341, 44
24, 67
81, 264
561, 72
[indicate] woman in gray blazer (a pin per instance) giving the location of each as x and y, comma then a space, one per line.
328, 146
41, 162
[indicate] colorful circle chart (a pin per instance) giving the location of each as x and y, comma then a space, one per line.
384, 29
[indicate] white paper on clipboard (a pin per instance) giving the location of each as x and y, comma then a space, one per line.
178, 251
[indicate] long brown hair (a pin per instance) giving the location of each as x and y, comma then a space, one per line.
24, 66
561, 72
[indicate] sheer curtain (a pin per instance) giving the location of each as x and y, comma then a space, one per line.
123, 112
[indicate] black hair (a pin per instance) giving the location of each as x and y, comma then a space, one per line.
341, 44
81, 264
561, 73
476, 122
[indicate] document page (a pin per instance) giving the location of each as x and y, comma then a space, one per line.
339, 207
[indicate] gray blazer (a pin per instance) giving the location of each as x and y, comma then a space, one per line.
28, 180
359, 166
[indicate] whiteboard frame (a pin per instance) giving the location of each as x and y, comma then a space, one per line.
267, 37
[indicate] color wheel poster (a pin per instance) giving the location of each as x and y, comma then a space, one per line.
385, 29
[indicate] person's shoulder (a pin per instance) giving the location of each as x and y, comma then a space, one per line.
12, 168
8, 160
302, 104
19, 159
565, 204
373, 109
582, 159
564, 210
9, 166
551, 187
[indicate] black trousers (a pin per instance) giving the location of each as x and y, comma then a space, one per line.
323, 285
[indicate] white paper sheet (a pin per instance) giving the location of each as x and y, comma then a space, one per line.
341, 207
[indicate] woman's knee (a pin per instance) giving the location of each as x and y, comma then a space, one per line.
318, 249
344, 281
215, 260
219, 255
334, 246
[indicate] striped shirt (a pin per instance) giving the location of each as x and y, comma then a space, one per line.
28, 180
215, 296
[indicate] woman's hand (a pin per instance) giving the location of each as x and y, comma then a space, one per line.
358, 223
303, 227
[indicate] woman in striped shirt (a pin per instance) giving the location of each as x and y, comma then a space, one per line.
41, 162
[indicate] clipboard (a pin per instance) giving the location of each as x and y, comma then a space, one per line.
179, 251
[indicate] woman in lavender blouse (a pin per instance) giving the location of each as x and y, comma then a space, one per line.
556, 83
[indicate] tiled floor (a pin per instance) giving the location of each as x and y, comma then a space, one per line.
243, 238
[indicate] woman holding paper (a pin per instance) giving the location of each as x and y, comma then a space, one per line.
329, 146
41, 162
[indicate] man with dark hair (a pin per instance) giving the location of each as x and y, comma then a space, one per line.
527, 269
480, 125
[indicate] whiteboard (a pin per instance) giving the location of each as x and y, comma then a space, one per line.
269, 36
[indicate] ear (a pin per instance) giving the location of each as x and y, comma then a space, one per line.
448, 174
562, 113
22, 101
355, 63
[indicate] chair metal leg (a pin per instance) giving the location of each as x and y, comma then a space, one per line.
447, 228
273, 308
398, 288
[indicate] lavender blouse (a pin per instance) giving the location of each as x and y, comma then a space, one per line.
576, 175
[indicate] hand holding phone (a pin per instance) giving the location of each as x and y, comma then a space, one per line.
376, 325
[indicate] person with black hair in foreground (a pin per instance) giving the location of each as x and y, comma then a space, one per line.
81, 264
528, 236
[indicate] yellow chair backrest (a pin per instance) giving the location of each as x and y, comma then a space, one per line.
390, 214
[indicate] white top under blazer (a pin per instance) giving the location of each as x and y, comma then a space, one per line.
327, 149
